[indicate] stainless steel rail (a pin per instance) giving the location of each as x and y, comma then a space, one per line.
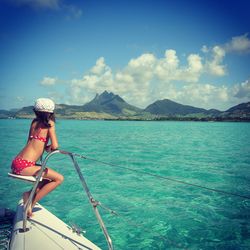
92, 201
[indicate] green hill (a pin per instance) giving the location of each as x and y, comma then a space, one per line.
169, 108
110, 104
239, 111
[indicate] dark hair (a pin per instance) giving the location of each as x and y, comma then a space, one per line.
44, 118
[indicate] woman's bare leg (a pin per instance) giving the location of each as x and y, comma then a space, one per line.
53, 179
56, 180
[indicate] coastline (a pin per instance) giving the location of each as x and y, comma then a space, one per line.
156, 118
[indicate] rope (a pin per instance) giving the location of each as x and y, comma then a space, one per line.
163, 177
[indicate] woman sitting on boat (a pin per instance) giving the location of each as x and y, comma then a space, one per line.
42, 129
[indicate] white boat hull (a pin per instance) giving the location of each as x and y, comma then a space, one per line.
46, 231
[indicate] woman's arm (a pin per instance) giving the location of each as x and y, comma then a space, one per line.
52, 135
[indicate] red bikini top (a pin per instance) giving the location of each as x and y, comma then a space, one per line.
37, 137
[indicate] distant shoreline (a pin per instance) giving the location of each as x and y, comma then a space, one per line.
111, 107
180, 119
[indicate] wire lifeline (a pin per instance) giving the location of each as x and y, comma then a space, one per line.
162, 177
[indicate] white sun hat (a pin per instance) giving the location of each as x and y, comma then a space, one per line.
44, 105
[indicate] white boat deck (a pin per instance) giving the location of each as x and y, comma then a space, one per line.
46, 231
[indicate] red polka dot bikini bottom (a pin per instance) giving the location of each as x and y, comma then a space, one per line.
18, 164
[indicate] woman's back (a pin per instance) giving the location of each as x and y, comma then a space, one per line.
38, 138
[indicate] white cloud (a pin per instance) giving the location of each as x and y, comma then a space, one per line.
238, 44
194, 70
141, 69
99, 79
148, 78
168, 69
215, 66
195, 64
48, 81
204, 95
100, 67
242, 90
144, 79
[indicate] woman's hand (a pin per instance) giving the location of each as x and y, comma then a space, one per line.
48, 148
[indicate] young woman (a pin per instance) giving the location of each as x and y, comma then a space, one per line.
42, 129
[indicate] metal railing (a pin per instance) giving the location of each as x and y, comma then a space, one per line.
91, 199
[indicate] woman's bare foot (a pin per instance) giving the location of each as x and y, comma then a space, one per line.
25, 199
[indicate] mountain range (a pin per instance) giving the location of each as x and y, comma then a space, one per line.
110, 106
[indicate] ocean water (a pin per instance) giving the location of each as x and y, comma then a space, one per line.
153, 213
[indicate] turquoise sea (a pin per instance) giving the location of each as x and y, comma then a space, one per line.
154, 213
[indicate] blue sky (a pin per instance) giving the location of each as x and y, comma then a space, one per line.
192, 52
